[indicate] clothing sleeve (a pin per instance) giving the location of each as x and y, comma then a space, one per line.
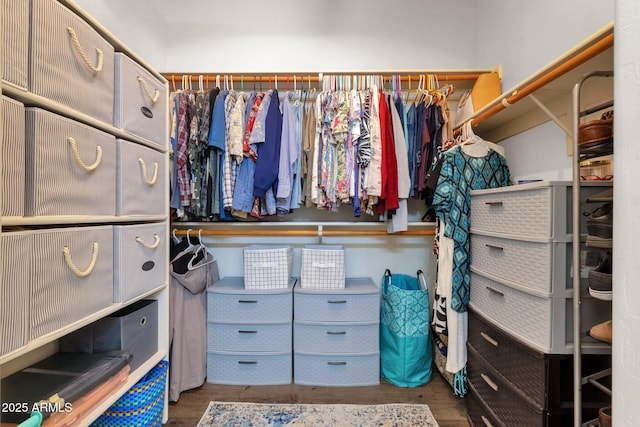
444, 189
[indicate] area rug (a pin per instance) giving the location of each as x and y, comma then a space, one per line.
228, 414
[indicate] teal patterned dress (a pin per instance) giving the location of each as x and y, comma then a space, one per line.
460, 174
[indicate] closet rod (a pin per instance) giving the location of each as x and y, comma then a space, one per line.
297, 233
546, 77
443, 75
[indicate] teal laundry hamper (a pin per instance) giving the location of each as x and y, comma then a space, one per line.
142, 405
406, 351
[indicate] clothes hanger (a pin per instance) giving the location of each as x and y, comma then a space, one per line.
202, 248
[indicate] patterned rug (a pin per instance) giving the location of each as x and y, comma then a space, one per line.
227, 414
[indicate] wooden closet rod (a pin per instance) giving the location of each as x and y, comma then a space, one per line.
311, 233
546, 77
443, 75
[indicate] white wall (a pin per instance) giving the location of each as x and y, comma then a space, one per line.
135, 23
626, 233
524, 35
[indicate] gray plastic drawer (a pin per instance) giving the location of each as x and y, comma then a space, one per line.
249, 337
333, 337
337, 369
265, 368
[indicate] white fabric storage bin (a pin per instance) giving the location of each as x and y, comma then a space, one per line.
71, 167
336, 370
140, 101
71, 276
141, 175
322, 267
70, 63
265, 368
13, 163
140, 259
14, 292
15, 42
267, 266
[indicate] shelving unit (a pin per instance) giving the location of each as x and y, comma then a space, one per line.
40, 347
551, 94
594, 378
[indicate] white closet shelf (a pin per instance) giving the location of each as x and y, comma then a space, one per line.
12, 360
552, 85
17, 221
32, 100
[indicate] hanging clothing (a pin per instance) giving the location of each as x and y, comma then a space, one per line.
288, 156
266, 176
191, 270
459, 175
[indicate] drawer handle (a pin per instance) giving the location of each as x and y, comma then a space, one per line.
337, 301
248, 362
85, 59
336, 332
154, 245
495, 291
489, 339
72, 266
76, 156
336, 363
489, 382
248, 301
143, 168
500, 248
493, 203
153, 98
241, 331
486, 421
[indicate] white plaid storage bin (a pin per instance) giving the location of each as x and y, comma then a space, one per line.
267, 266
322, 267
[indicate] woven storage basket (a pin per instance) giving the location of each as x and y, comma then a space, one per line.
141, 405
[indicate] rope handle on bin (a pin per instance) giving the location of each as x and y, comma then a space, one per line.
143, 168
155, 244
153, 98
72, 266
76, 156
83, 55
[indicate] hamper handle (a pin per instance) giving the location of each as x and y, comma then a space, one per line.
489, 382
72, 266
143, 168
85, 59
76, 155
153, 98
155, 244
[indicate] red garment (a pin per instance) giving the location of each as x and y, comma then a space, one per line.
389, 192
247, 151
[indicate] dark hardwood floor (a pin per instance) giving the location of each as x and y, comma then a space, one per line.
449, 410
